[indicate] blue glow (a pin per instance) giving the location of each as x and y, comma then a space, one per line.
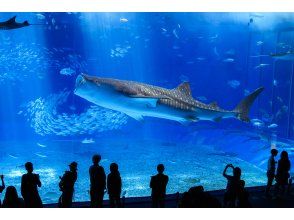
224, 56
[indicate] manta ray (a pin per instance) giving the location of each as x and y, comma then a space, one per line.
139, 100
12, 24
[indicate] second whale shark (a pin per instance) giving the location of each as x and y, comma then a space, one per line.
138, 100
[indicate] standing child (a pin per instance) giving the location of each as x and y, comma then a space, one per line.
66, 185
114, 186
271, 171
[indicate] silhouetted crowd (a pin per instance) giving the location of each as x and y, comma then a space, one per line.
235, 194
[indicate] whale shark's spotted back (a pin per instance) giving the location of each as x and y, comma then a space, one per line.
179, 97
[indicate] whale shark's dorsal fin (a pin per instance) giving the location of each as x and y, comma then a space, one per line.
11, 20
184, 88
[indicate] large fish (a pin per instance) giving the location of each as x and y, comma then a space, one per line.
138, 100
283, 56
12, 24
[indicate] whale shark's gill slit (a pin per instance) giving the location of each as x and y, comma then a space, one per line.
135, 116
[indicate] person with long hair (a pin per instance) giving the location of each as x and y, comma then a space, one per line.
282, 177
11, 199
233, 184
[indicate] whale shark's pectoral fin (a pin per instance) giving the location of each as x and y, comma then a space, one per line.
188, 120
148, 102
192, 119
135, 116
185, 122
218, 119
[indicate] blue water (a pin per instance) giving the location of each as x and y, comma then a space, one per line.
42, 121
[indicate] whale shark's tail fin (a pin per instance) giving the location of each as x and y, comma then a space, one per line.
243, 107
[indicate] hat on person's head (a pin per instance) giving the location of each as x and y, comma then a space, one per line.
74, 165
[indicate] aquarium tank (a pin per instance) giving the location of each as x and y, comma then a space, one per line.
199, 64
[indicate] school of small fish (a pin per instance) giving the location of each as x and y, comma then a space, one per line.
22, 61
234, 83
44, 118
120, 51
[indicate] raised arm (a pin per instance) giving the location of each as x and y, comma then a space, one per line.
2, 181
3, 184
225, 170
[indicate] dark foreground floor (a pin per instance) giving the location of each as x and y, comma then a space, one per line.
257, 200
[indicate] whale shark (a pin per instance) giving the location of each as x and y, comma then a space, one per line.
139, 100
12, 24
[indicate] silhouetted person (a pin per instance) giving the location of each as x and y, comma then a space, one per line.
29, 187
283, 175
243, 196
232, 185
289, 188
185, 201
11, 199
197, 198
271, 171
97, 182
114, 186
2, 187
66, 185
158, 185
